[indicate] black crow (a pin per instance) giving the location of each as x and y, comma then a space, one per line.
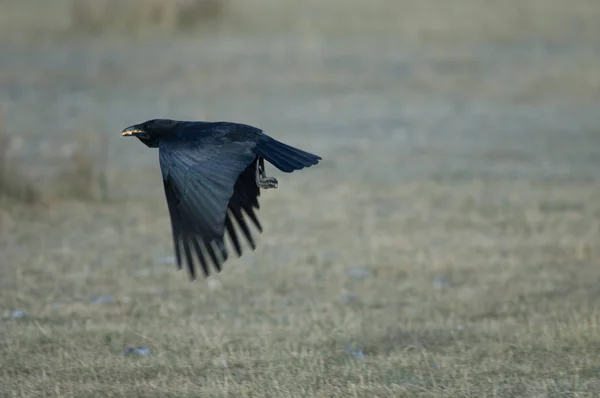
212, 174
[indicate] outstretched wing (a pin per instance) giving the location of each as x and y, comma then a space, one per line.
203, 179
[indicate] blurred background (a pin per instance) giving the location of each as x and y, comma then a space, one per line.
415, 83
459, 186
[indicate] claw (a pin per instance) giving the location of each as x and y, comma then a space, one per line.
268, 182
262, 181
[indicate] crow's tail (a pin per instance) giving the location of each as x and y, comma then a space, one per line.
284, 157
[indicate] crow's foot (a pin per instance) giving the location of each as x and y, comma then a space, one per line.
262, 181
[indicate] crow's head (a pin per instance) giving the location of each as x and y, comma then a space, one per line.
151, 131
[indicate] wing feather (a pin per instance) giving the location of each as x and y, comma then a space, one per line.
205, 183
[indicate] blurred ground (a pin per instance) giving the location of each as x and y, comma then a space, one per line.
447, 245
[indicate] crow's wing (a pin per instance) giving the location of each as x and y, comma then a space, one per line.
202, 180
245, 197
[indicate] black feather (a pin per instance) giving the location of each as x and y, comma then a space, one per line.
201, 258
189, 259
286, 158
233, 235
209, 172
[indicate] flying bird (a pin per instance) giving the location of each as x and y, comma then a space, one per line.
212, 175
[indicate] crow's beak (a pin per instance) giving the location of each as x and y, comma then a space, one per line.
133, 130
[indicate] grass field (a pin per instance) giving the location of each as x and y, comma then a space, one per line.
448, 245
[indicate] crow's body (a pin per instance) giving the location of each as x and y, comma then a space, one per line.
212, 175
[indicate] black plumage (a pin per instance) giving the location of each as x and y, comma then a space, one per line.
212, 174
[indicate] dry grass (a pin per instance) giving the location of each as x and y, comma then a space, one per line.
457, 296
81, 174
14, 183
427, 21
447, 246
139, 16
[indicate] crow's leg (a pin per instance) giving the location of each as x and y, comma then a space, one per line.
261, 177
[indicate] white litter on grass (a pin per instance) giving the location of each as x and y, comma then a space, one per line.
102, 300
18, 314
441, 281
169, 260
349, 298
359, 272
358, 354
143, 351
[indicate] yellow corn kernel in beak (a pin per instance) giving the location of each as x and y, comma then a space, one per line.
131, 132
